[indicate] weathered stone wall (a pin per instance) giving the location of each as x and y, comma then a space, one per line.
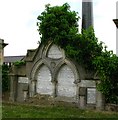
15, 87
48, 72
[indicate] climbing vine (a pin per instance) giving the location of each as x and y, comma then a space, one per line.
59, 25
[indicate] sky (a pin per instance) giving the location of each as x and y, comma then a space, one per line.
18, 20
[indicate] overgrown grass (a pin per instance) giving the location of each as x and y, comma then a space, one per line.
28, 111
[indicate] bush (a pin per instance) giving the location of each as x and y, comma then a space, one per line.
5, 78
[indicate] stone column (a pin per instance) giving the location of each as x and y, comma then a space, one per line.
33, 88
13, 87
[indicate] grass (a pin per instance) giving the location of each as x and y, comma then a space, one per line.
27, 111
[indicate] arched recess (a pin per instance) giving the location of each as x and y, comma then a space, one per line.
66, 78
42, 75
72, 66
44, 85
34, 69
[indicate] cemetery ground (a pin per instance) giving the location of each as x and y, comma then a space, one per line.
18, 110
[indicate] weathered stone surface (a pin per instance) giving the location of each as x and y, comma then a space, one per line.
22, 91
91, 95
44, 84
82, 91
54, 52
50, 73
87, 83
23, 80
100, 100
82, 102
66, 86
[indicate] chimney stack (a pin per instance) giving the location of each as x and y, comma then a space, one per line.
87, 14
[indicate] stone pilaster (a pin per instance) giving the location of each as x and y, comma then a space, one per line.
33, 88
54, 82
13, 87
100, 101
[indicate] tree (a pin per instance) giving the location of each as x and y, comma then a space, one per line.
58, 24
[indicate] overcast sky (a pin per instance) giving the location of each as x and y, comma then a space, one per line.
18, 22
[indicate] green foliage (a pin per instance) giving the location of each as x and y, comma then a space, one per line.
59, 25
84, 48
19, 63
107, 66
25, 111
5, 78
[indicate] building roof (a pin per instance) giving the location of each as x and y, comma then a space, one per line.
116, 22
8, 59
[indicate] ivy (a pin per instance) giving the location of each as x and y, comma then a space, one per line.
19, 63
60, 25
5, 78
107, 66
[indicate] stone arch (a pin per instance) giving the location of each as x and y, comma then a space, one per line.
41, 79
44, 85
66, 77
72, 66
36, 66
